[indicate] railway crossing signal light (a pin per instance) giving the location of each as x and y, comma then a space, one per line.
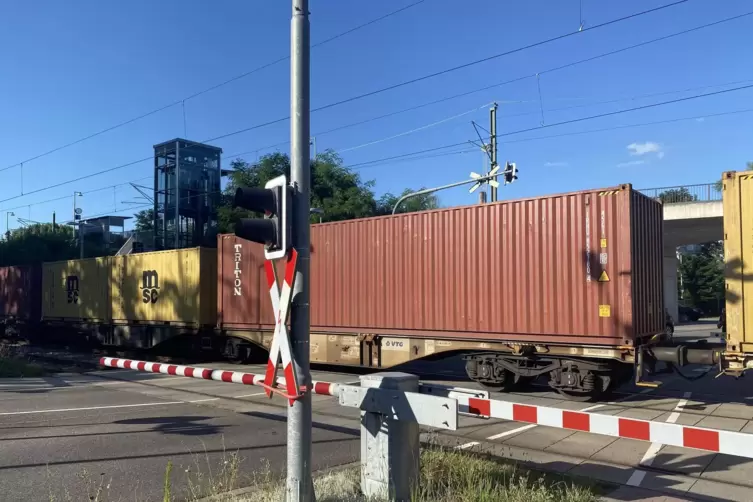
274, 230
510, 173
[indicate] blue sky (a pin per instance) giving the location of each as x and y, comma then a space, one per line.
73, 68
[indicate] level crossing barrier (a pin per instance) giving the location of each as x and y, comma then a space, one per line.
393, 405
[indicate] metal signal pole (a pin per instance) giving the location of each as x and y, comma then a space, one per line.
300, 487
493, 145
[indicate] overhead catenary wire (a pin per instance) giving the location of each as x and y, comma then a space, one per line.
555, 124
182, 101
378, 91
525, 77
436, 151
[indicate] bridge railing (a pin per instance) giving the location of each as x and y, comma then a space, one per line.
707, 192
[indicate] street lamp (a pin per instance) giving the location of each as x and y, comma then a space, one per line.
76, 217
316, 210
7, 224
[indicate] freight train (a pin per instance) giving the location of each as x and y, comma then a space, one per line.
567, 287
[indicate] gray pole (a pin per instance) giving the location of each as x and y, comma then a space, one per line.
300, 487
437, 189
493, 142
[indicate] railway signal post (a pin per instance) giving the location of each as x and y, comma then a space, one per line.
300, 487
284, 231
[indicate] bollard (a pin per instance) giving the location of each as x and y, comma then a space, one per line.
390, 448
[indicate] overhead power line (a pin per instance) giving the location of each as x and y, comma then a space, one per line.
497, 56
351, 99
524, 77
627, 110
437, 152
581, 119
211, 88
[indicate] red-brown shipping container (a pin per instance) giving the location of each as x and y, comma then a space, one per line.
21, 292
580, 268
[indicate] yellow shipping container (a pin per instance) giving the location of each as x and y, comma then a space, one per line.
76, 289
738, 256
176, 287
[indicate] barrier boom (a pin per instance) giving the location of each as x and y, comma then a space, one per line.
238, 377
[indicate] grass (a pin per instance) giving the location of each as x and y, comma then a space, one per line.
446, 476
15, 366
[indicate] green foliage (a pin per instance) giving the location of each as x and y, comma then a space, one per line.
421, 202
702, 276
144, 220
37, 243
718, 184
338, 191
677, 195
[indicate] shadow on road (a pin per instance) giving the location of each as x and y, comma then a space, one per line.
185, 426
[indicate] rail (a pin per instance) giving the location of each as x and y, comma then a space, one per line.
706, 192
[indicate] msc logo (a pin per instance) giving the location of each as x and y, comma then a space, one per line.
150, 286
71, 287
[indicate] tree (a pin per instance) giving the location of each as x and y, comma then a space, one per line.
336, 190
675, 195
702, 276
718, 184
144, 220
423, 202
36, 243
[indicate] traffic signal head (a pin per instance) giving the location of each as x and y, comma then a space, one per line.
510, 172
274, 200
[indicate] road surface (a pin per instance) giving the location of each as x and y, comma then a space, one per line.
127, 425
63, 437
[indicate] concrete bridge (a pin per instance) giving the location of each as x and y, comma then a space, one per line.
692, 215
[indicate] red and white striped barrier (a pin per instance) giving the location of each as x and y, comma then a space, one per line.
739, 444
239, 377
728, 442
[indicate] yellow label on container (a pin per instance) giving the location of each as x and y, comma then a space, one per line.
605, 311
603, 243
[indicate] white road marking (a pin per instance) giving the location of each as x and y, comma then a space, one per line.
510, 433
467, 445
89, 408
636, 478
108, 407
251, 395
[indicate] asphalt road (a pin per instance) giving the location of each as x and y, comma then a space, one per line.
64, 437
122, 427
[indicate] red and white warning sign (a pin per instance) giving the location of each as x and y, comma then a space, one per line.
280, 341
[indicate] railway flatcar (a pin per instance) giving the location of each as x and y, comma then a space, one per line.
565, 286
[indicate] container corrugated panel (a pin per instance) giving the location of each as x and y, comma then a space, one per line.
77, 290
738, 253
242, 296
176, 287
21, 292
648, 242
556, 269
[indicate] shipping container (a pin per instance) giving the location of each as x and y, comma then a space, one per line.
581, 268
21, 292
573, 279
738, 256
76, 290
176, 287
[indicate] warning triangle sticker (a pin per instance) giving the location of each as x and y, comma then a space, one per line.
603, 277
